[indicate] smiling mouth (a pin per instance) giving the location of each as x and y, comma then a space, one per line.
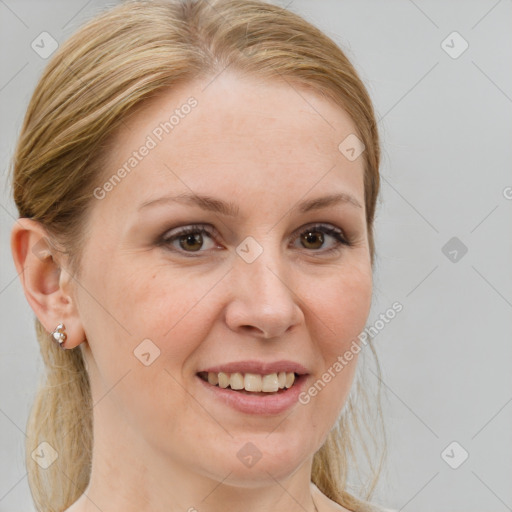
251, 383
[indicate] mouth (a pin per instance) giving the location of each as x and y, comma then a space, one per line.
253, 384
253, 387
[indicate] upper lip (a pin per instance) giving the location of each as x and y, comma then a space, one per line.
260, 367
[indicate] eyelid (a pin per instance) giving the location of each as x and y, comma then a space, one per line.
320, 226
177, 232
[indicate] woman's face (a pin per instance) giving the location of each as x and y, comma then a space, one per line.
265, 288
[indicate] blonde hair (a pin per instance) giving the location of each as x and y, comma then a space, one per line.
110, 66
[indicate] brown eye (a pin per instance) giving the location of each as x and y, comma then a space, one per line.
315, 237
195, 239
191, 241
312, 239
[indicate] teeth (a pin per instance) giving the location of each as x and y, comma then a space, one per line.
223, 379
254, 382
236, 381
270, 383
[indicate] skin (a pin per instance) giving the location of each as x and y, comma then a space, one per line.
160, 443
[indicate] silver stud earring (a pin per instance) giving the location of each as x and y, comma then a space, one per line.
59, 335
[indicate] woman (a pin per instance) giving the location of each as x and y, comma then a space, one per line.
196, 184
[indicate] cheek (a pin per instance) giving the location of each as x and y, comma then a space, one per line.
147, 310
173, 309
339, 314
341, 310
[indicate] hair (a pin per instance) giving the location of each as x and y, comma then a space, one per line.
109, 67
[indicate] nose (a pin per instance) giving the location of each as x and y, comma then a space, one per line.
263, 303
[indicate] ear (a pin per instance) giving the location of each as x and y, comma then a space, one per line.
47, 285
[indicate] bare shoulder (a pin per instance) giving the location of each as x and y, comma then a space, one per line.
77, 506
325, 504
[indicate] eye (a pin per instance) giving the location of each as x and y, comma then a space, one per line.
191, 239
314, 238
188, 239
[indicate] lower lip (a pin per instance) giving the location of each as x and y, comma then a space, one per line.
257, 404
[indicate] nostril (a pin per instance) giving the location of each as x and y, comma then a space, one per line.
251, 329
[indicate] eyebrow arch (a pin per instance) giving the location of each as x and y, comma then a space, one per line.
231, 209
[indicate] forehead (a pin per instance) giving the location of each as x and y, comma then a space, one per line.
234, 134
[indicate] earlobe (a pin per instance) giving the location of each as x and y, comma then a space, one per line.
39, 266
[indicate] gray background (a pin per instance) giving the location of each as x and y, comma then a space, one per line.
447, 139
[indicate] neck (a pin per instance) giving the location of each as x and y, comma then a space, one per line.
129, 474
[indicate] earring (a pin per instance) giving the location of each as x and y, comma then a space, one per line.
59, 335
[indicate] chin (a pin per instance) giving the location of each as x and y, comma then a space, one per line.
259, 459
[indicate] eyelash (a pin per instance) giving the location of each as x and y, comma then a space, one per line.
337, 234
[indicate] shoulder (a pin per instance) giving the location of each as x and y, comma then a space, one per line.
325, 504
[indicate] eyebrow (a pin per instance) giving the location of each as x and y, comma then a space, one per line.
231, 209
